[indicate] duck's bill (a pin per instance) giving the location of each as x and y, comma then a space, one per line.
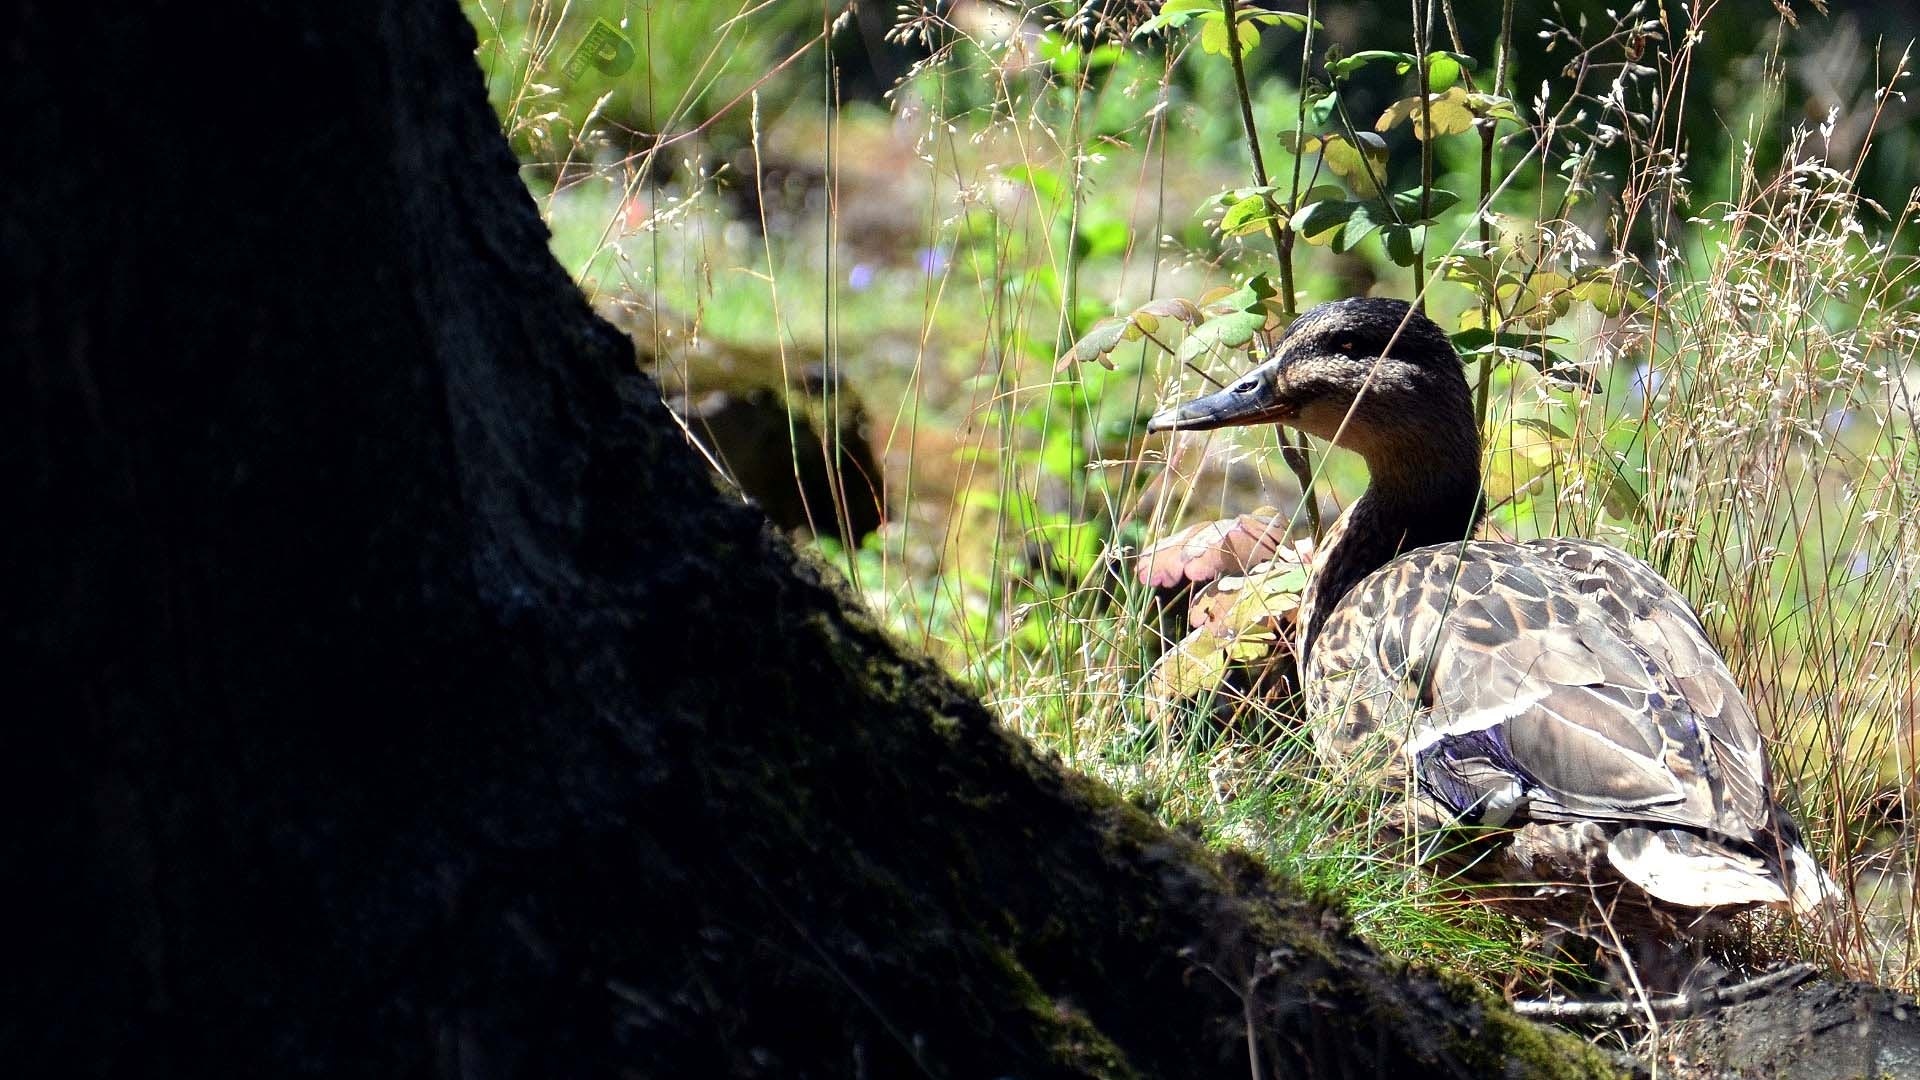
1224, 409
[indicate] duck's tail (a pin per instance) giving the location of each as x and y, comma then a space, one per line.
1691, 870
1815, 897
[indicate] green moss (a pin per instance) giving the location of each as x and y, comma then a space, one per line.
1503, 1043
1165, 896
1072, 1040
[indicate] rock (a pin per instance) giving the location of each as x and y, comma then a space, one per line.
791, 436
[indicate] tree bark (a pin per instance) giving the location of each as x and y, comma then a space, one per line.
398, 696
1819, 1031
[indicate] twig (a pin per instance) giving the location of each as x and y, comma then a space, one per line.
1297, 456
1300, 461
1231, 10
1678, 1007
1485, 212
1299, 132
1188, 364
1422, 47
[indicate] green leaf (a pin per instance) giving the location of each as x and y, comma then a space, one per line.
1493, 107
1609, 295
1479, 338
1175, 13
1234, 195
1528, 349
1292, 20
1213, 34
1068, 58
1561, 370
1545, 427
1360, 224
1100, 238
1064, 55
1107, 334
1407, 203
1248, 215
1513, 462
1317, 222
1172, 307
1295, 142
1476, 272
1344, 224
1194, 666
1617, 494
1447, 111
1442, 71
1320, 108
1343, 68
1362, 164
1321, 193
1249, 296
1229, 331
1403, 242
1100, 339
1249, 209
1105, 56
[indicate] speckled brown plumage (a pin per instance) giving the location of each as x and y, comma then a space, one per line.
1548, 717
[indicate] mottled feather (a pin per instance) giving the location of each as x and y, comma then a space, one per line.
1560, 682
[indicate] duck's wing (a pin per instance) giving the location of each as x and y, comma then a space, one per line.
1556, 680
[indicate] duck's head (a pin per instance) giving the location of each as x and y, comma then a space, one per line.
1367, 374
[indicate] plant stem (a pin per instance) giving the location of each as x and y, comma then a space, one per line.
1485, 212
1500, 49
1298, 458
1294, 449
1299, 132
1281, 249
1486, 252
1421, 48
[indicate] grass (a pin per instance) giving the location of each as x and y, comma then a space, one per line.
1039, 169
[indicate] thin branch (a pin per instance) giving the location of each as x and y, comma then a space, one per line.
1299, 133
1422, 47
1485, 212
1296, 455
1188, 364
1677, 1007
1231, 10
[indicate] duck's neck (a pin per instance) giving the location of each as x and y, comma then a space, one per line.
1406, 505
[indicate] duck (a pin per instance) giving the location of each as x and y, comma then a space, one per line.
1548, 719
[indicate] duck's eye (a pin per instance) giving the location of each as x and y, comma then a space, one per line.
1245, 386
1344, 345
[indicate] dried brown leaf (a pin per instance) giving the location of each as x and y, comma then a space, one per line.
1211, 549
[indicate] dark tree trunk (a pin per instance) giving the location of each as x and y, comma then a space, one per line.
396, 695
